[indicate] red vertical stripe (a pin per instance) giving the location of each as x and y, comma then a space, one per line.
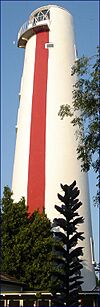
36, 171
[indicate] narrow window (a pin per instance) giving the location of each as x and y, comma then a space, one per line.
49, 45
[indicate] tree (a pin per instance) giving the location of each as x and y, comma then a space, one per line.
14, 218
67, 255
26, 244
86, 100
35, 252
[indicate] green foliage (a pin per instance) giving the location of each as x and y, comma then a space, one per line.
26, 244
97, 281
14, 218
85, 111
67, 255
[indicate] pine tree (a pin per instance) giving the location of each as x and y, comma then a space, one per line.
67, 254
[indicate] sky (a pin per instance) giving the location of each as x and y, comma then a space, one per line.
13, 16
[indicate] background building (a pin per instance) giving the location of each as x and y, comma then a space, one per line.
45, 153
9, 284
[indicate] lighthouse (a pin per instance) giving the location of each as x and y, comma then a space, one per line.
45, 152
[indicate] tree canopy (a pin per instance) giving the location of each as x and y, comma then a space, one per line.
86, 101
26, 244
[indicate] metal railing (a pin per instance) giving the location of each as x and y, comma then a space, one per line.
35, 20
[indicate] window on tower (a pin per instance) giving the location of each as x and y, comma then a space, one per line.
49, 45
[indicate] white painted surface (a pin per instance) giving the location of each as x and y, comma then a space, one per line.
20, 172
62, 165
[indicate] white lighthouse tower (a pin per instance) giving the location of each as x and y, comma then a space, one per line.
45, 153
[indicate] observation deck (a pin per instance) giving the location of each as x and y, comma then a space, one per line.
38, 21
